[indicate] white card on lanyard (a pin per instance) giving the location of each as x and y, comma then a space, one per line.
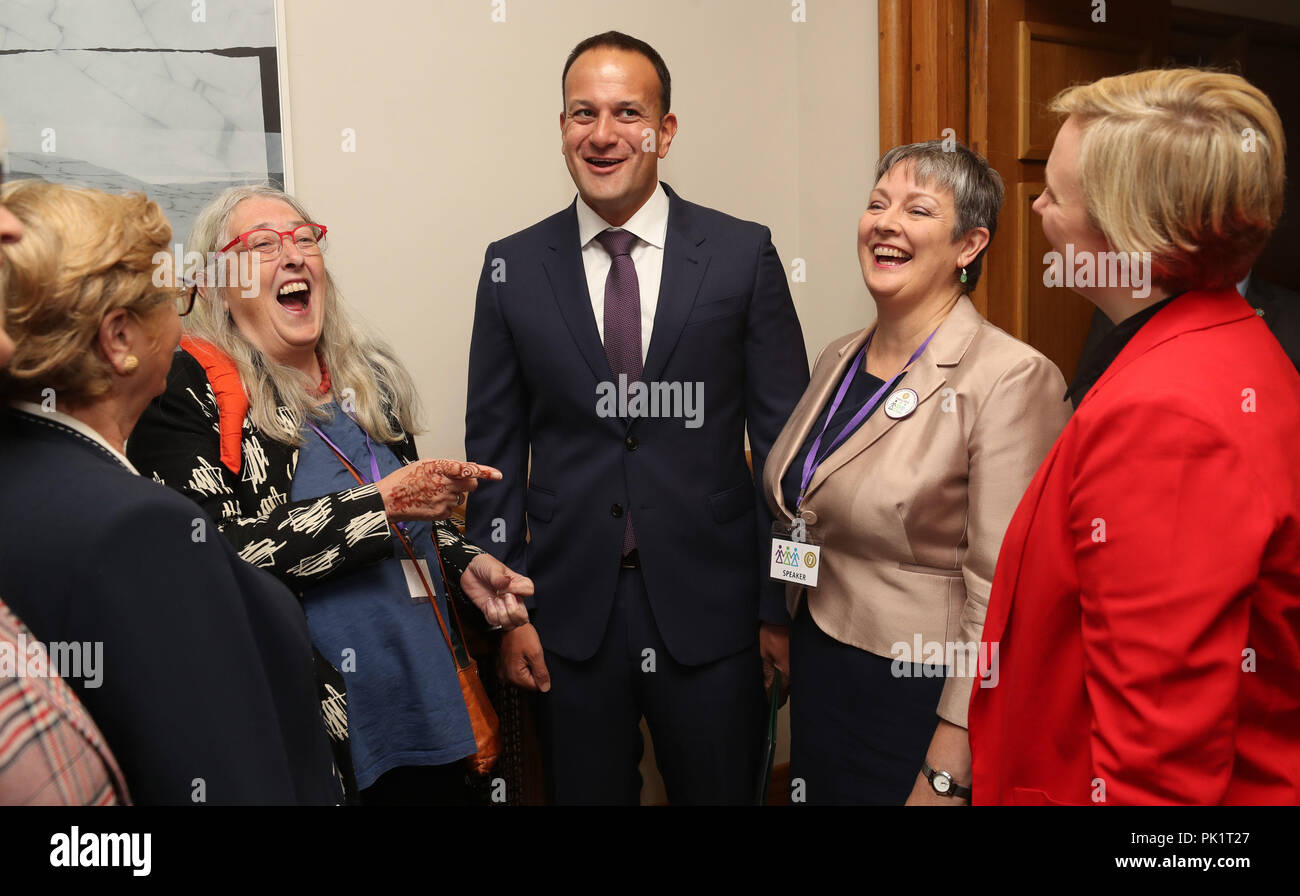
413, 582
795, 562
796, 556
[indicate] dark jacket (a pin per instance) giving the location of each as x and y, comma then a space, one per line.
725, 324
207, 691
1280, 308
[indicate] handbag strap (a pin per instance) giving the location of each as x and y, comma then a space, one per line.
458, 652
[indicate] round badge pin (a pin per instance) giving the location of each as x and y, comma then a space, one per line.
900, 404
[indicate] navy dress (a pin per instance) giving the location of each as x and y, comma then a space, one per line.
404, 701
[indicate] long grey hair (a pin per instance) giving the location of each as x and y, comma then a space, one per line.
368, 380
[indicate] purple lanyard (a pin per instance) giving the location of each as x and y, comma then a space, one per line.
374, 464
811, 462
370, 449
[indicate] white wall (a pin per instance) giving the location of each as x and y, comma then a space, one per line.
456, 122
457, 143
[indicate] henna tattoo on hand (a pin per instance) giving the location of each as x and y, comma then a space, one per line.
421, 486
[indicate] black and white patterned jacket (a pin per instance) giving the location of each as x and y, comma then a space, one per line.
301, 542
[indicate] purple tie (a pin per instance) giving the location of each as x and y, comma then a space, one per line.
622, 323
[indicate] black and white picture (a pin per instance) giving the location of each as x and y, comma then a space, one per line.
176, 98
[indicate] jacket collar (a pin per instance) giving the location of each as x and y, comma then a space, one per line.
649, 224
686, 258
951, 341
1191, 311
61, 422
684, 264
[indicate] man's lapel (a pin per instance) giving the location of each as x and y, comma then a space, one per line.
568, 279
685, 261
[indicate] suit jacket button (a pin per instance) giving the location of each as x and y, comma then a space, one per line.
616, 511
631, 443
808, 517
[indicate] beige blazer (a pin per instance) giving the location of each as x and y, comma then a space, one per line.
911, 511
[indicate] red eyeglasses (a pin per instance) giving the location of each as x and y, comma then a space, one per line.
269, 243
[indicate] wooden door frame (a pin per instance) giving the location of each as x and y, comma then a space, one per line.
934, 75
936, 68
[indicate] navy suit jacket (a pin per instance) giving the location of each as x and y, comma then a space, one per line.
206, 668
1280, 308
725, 319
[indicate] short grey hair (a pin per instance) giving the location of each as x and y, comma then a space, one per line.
976, 188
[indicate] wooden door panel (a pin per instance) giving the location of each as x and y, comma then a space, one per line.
1056, 318
1050, 59
1018, 55
1035, 50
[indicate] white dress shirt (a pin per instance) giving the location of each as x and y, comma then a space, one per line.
76, 426
650, 225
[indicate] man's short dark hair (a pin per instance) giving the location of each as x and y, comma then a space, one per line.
617, 40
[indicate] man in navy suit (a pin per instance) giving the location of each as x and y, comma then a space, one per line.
626, 344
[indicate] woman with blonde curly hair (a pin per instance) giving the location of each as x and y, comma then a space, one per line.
293, 427
42, 723
197, 668
1142, 623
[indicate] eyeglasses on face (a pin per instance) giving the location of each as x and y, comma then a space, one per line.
185, 300
268, 243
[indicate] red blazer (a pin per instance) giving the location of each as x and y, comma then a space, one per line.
1146, 605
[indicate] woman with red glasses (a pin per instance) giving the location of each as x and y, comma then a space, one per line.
293, 428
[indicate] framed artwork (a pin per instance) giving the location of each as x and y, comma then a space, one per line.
178, 99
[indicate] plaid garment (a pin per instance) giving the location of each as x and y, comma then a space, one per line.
51, 752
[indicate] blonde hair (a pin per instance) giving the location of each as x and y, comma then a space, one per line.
1186, 164
382, 392
83, 255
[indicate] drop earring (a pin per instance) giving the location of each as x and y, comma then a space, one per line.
963, 275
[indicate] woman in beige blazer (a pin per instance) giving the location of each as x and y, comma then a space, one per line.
937, 422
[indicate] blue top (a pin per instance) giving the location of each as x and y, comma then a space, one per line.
404, 700
864, 385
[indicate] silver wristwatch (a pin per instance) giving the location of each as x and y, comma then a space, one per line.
943, 783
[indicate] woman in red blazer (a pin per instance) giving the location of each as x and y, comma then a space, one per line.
1144, 623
